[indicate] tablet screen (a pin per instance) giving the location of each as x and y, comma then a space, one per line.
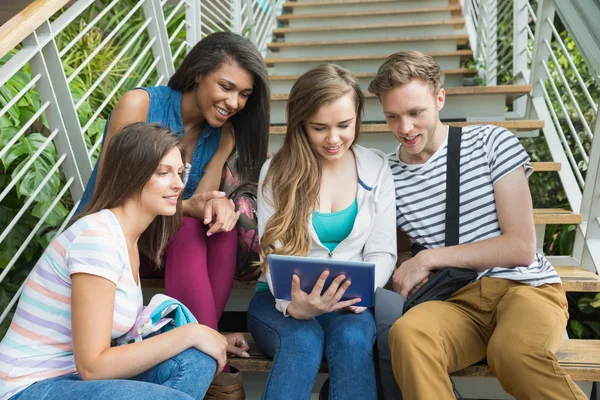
361, 274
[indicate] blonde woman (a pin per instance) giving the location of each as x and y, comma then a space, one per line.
322, 196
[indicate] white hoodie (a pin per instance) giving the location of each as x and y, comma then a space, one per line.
373, 236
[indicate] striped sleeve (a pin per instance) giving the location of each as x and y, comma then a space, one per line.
96, 252
505, 154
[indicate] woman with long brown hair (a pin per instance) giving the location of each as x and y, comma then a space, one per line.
324, 196
85, 292
217, 102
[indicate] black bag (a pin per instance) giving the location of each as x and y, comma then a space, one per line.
447, 281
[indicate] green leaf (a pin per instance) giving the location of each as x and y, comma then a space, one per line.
578, 328
56, 216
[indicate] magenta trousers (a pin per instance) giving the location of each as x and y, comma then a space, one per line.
199, 270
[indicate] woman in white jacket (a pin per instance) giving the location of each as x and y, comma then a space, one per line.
322, 196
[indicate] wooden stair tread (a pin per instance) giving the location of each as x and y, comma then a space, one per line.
578, 279
579, 358
459, 38
296, 4
452, 91
513, 125
453, 21
574, 278
555, 216
363, 75
333, 59
287, 17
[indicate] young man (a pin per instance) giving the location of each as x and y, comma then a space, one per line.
515, 313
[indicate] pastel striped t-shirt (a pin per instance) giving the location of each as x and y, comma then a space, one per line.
39, 344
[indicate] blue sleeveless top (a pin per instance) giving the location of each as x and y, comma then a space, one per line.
165, 110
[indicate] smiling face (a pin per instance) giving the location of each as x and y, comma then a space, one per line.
160, 194
412, 113
223, 92
331, 130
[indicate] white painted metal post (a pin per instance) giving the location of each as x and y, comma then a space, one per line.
520, 38
53, 88
490, 15
587, 240
250, 23
543, 32
158, 29
193, 28
236, 14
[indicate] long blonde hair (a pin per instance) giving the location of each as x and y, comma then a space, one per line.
294, 176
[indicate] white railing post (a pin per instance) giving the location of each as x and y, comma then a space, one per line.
61, 114
158, 30
470, 24
249, 13
587, 239
543, 32
489, 14
520, 38
193, 28
236, 16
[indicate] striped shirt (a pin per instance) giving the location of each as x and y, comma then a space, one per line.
39, 344
487, 154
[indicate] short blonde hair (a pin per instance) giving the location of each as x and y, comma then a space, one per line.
403, 67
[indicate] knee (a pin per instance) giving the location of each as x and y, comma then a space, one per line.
410, 336
355, 334
196, 363
510, 359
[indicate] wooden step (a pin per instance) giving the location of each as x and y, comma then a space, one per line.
578, 279
579, 358
460, 40
555, 216
457, 22
455, 10
574, 279
371, 75
511, 91
270, 61
513, 126
294, 4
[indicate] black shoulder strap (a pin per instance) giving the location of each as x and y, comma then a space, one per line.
453, 186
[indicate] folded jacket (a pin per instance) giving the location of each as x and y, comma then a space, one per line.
162, 314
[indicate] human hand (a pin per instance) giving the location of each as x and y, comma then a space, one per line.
355, 309
237, 345
211, 342
308, 305
194, 206
411, 275
220, 215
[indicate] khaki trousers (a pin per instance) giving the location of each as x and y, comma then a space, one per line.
517, 327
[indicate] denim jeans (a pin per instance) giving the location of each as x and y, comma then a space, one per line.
185, 376
297, 348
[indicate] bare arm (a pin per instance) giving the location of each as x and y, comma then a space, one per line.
132, 107
92, 306
208, 186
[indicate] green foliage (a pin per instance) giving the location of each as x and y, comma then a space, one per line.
584, 311
15, 161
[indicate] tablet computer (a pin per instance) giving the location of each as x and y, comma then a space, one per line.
361, 274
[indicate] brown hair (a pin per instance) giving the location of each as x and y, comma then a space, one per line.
251, 124
294, 175
132, 156
402, 67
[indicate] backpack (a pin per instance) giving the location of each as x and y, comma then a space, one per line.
243, 196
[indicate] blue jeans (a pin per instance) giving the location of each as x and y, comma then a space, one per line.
297, 348
185, 376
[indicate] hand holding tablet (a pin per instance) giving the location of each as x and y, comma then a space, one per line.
322, 282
